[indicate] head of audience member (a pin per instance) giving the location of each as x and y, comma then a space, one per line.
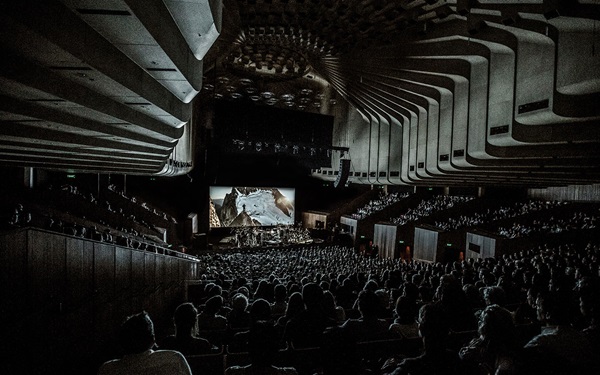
280, 293
554, 308
589, 304
497, 329
213, 305
371, 285
473, 296
384, 300
244, 290
185, 319
411, 291
404, 310
260, 311
433, 326
426, 293
368, 304
295, 305
494, 295
263, 344
261, 290
239, 302
312, 295
136, 334
329, 304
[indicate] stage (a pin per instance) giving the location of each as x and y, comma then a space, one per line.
263, 237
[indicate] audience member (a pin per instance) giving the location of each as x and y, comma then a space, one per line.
279, 305
405, 324
368, 327
306, 329
294, 307
209, 320
263, 345
185, 339
436, 359
559, 348
496, 349
136, 337
238, 316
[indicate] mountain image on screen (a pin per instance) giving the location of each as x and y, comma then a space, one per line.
248, 206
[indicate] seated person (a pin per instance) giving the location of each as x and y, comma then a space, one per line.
238, 317
136, 337
436, 359
185, 340
260, 311
209, 319
495, 350
559, 348
368, 327
306, 328
405, 325
263, 343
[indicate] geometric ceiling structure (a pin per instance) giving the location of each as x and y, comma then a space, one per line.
425, 92
102, 86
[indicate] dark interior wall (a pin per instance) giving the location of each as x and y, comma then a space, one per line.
63, 298
245, 129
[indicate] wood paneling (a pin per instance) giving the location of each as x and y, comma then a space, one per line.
425, 244
122, 269
46, 267
104, 271
584, 193
13, 272
79, 267
149, 272
73, 293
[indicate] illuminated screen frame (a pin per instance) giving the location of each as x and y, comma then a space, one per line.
249, 206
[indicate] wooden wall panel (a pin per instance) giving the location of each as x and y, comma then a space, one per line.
62, 288
123, 270
160, 271
583, 193
425, 244
480, 246
79, 268
13, 273
137, 271
104, 271
46, 267
149, 272
172, 272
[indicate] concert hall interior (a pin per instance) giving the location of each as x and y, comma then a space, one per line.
400, 158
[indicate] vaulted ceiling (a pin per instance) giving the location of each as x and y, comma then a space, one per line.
447, 91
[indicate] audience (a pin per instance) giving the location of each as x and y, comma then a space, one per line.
209, 319
523, 282
136, 337
185, 339
491, 215
306, 295
436, 359
578, 220
238, 316
428, 207
375, 205
306, 329
368, 327
294, 307
405, 324
263, 345
559, 348
496, 349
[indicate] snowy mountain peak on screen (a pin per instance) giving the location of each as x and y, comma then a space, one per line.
263, 206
